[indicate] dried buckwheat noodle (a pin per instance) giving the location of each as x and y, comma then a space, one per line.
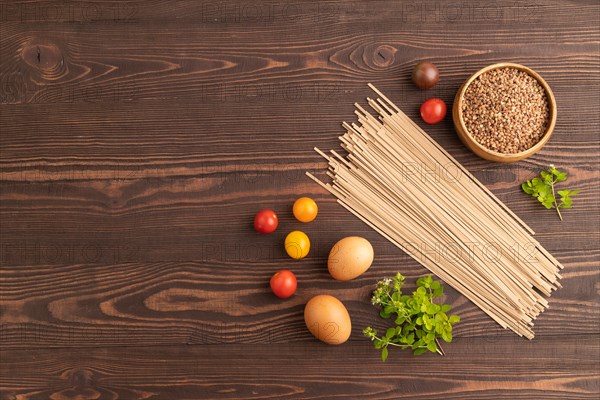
480, 247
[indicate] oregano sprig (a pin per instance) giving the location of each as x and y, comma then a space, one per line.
419, 321
542, 188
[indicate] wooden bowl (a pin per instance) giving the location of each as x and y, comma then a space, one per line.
484, 152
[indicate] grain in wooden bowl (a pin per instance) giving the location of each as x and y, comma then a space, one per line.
505, 112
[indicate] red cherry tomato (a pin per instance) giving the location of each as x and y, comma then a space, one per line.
284, 283
433, 111
266, 221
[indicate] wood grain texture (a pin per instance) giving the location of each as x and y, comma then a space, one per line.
548, 368
187, 302
138, 139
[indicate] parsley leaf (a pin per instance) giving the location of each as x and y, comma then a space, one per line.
542, 188
419, 321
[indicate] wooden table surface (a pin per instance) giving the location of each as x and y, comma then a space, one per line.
139, 139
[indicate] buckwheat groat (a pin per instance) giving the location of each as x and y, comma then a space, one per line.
506, 110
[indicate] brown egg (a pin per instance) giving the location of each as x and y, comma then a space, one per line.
327, 319
349, 258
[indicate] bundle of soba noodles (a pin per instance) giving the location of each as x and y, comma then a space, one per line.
408, 209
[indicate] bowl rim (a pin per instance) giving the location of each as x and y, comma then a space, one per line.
552, 109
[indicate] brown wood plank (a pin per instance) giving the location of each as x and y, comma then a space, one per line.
226, 299
101, 132
238, 13
548, 368
104, 192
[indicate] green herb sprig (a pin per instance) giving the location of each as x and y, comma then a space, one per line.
542, 188
419, 321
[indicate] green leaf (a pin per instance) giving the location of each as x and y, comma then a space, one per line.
425, 319
527, 187
432, 346
548, 178
447, 336
425, 281
547, 202
446, 308
384, 354
454, 319
432, 309
390, 333
563, 193
544, 191
574, 192
560, 176
419, 351
566, 202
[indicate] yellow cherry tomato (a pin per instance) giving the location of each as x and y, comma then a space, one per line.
297, 244
305, 209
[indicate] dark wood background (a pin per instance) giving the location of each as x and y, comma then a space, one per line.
139, 138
